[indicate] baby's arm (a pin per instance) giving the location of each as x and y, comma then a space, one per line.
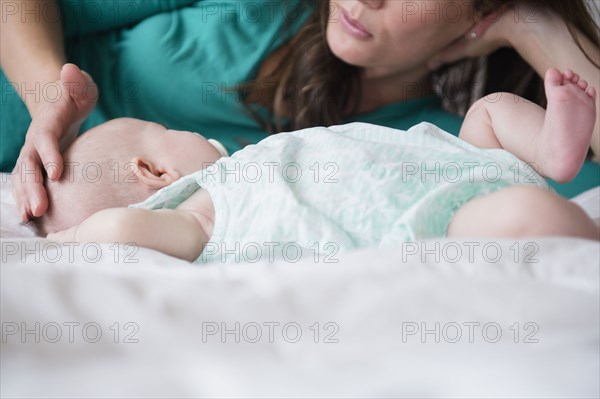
174, 232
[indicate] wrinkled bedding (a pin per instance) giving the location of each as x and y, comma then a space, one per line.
454, 319
168, 329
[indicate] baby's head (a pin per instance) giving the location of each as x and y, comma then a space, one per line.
119, 163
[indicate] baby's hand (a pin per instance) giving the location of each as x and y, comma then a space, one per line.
68, 235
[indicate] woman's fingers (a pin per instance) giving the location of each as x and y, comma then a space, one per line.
55, 123
40, 152
47, 147
19, 195
28, 188
37, 196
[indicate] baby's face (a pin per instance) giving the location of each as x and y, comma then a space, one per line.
119, 163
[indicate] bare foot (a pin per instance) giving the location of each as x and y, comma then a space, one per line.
568, 125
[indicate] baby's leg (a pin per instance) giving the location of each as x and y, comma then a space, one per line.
522, 211
555, 141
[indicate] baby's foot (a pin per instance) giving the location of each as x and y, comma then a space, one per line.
568, 125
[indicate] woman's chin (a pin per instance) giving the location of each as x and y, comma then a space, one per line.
350, 56
346, 49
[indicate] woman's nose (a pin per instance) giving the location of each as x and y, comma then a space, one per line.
375, 4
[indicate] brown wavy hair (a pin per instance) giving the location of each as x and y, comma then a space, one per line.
312, 87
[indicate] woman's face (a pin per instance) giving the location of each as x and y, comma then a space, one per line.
395, 35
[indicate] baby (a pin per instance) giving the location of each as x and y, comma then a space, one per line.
331, 189
121, 162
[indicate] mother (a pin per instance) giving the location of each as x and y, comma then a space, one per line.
237, 71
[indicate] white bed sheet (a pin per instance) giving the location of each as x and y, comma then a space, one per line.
370, 296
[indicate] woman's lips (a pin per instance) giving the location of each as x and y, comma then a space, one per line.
353, 27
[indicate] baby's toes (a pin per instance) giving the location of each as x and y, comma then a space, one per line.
554, 77
582, 84
591, 92
575, 78
568, 74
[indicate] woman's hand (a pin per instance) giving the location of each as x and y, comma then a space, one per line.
490, 33
542, 39
54, 123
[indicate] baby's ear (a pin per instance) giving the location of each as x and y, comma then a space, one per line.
151, 175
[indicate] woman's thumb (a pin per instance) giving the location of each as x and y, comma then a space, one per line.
79, 84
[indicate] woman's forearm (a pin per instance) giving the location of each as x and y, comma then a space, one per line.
546, 42
31, 47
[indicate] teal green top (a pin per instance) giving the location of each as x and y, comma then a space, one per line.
180, 62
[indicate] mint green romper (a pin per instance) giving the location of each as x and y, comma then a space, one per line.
176, 61
321, 191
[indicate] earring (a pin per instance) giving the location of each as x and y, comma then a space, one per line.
473, 35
